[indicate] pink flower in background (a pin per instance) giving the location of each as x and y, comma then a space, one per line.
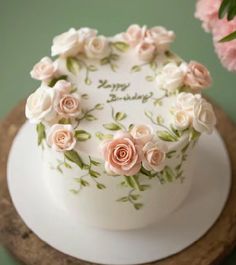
225, 50
207, 12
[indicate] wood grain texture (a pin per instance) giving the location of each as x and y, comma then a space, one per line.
28, 248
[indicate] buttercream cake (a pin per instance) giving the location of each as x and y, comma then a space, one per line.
117, 119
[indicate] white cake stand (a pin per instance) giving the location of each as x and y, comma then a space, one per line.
179, 230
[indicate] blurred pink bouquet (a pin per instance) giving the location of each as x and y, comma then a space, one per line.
223, 28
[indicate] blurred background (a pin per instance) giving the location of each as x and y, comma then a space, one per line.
28, 27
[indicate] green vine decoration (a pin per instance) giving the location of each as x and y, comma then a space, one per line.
91, 174
110, 60
87, 115
168, 134
75, 64
133, 183
116, 125
152, 65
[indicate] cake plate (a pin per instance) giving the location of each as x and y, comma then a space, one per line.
173, 234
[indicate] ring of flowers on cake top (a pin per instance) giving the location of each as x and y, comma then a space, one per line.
57, 107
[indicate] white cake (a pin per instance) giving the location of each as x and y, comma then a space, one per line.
117, 119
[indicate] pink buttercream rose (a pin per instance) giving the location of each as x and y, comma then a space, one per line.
146, 50
207, 12
142, 133
44, 69
134, 34
154, 155
61, 137
225, 50
160, 36
197, 76
68, 105
122, 156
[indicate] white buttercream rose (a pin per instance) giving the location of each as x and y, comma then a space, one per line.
67, 43
142, 133
182, 120
39, 105
160, 36
171, 77
185, 101
61, 137
86, 33
146, 50
44, 69
97, 47
204, 118
154, 155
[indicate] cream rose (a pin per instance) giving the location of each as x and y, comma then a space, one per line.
146, 50
197, 76
68, 105
134, 34
39, 105
122, 156
204, 118
61, 137
67, 43
142, 133
97, 47
160, 36
182, 120
171, 77
185, 101
44, 69
154, 155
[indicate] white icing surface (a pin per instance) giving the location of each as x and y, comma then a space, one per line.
100, 208
137, 85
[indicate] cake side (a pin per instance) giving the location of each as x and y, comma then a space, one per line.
119, 116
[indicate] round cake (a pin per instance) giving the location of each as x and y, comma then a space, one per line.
117, 119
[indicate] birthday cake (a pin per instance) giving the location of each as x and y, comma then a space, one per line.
117, 119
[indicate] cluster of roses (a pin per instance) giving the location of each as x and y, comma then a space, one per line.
51, 104
127, 152
193, 110
207, 12
193, 76
148, 42
84, 40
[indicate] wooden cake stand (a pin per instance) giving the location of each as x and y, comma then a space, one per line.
28, 248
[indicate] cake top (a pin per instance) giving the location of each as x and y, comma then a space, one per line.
116, 98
